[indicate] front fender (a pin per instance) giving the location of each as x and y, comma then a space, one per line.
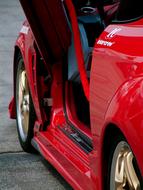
19, 49
126, 111
23, 47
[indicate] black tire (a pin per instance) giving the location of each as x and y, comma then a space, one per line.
24, 108
119, 149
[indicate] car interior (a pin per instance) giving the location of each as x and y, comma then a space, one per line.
91, 23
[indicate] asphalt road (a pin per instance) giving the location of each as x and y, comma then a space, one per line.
18, 170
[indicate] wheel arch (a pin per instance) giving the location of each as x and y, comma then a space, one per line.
124, 117
12, 104
126, 113
112, 133
17, 52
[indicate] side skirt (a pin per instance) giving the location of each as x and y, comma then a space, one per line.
69, 160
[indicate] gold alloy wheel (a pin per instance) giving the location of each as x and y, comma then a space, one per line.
123, 172
23, 105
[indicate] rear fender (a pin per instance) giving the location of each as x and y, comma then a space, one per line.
126, 112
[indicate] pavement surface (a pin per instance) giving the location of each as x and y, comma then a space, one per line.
18, 170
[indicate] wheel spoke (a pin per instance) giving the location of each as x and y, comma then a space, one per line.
24, 80
125, 174
25, 121
23, 96
120, 178
119, 170
130, 172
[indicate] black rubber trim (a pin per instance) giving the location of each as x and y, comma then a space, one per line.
80, 142
126, 21
83, 136
87, 140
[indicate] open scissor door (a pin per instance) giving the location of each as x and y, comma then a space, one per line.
52, 33
49, 26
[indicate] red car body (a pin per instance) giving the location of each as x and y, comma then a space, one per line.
115, 100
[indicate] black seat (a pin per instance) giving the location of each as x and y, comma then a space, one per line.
93, 26
90, 27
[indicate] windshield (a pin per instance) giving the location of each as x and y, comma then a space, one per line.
129, 9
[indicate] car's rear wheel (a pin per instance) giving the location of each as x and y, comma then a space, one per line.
24, 108
124, 172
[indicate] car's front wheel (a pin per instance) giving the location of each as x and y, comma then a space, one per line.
24, 108
124, 172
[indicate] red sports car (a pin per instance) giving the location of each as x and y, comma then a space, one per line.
78, 90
